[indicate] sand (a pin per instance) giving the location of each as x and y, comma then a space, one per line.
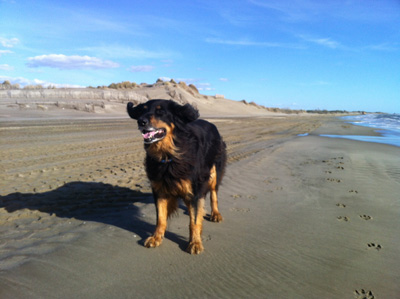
304, 217
91, 103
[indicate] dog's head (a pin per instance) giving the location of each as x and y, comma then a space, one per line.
158, 118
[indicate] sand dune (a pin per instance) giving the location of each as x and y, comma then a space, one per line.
304, 217
90, 103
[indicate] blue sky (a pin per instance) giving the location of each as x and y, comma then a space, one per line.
310, 54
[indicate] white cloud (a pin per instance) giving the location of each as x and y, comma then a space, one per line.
57, 85
126, 52
384, 47
6, 67
329, 43
298, 10
311, 10
20, 80
24, 81
141, 68
326, 42
224, 79
167, 62
246, 42
242, 42
204, 86
2, 52
8, 42
188, 80
61, 61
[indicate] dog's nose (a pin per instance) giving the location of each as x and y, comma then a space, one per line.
143, 122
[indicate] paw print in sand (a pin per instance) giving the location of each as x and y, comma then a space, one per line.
343, 218
363, 294
374, 246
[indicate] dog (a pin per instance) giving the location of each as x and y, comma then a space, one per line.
185, 159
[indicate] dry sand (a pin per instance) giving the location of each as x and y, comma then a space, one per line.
304, 217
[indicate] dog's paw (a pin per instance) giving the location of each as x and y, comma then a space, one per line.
152, 242
216, 217
195, 248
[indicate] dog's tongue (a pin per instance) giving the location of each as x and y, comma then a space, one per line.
149, 135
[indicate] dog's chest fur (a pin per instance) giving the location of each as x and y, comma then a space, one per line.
168, 179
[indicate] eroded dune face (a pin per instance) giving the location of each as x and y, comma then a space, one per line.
69, 102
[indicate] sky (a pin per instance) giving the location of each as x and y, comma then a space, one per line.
299, 54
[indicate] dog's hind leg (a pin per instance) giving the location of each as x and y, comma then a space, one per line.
212, 183
162, 215
196, 213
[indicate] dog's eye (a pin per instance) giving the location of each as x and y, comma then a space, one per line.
160, 112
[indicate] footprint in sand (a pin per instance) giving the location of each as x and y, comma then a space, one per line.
240, 210
329, 161
207, 238
363, 294
334, 180
340, 205
365, 217
236, 196
343, 218
353, 191
374, 246
270, 180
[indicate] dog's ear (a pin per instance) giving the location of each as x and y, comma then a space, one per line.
187, 113
134, 112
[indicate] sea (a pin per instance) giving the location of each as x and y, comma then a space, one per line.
388, 125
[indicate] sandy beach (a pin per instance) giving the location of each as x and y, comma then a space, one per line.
304, 217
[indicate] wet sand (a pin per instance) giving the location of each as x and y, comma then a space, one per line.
304, 217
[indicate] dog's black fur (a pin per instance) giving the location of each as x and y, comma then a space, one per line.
185, 158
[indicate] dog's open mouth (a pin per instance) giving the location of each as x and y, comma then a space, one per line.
153, 135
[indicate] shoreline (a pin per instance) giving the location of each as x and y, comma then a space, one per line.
304, 217
364, 133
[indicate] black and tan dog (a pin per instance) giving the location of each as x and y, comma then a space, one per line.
185, 158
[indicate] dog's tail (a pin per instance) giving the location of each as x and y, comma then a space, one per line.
220, 163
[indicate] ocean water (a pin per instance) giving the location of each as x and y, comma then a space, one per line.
388, 125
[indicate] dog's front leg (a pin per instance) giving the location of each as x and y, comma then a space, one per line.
196, 213
162, 214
